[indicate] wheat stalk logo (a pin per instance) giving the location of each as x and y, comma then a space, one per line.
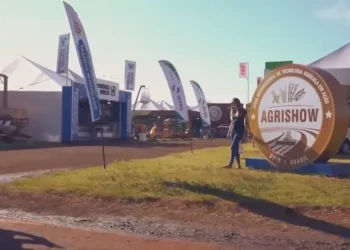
289, 94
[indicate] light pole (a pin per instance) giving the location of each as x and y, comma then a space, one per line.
137, 97
5, 95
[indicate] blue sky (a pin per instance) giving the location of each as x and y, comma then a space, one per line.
205, 39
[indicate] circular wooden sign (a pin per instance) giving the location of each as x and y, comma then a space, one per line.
298, 115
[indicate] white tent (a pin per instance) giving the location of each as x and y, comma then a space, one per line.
39, 90
148, 106
337, 63
165, 105
194, 108
27, 75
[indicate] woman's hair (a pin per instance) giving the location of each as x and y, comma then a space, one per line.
236, 101
233, 108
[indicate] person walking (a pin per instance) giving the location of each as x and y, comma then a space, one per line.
236, 131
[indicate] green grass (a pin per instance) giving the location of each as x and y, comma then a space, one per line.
194, 177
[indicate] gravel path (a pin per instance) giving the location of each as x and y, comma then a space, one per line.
176, 230
16, 176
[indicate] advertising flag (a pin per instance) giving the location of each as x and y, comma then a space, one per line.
202, 103
243, 70
130, 71
85, 60
176, 89
63, 54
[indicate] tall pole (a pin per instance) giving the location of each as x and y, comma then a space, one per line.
5, 95
248, 83
248, 99
137, 97
248, 89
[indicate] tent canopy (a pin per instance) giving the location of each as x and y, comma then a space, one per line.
337, 63
165, 105
27, 75
338, 59
148, 106
160, 105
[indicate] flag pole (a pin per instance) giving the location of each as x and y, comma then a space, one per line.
248, 83
247, 133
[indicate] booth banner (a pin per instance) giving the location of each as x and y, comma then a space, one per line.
176, 89
128, 115
85, 60
130, 72
63, 54
75, 111
109, 92
202, 103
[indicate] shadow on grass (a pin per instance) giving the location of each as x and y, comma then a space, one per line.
266, 208
15, 240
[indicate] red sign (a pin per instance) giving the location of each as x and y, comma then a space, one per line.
243, 70
258, 80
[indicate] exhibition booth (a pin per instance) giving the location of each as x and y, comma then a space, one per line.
57, 105
115, 119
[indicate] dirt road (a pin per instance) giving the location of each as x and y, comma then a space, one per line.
15, 235
59, 157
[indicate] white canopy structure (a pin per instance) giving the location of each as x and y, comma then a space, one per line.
165, 105
337, 63
148, 106
39, 90
27, 75
194, 108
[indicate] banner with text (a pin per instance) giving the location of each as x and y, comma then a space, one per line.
130, 72
63, 54
128, 115
176, 89
244, 70
85, 60
75, 111
109, 92
202, 103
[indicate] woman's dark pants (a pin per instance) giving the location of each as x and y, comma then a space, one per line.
236, 139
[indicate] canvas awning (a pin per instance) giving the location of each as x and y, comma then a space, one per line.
337, 63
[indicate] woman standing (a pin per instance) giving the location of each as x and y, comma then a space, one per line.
236, 130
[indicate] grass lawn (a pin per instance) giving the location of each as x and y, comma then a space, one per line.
195, 177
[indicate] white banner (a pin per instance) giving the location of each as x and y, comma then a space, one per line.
109, 92
63, 54
128, 115
176, 89
85, 60
130, 72
202, 103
